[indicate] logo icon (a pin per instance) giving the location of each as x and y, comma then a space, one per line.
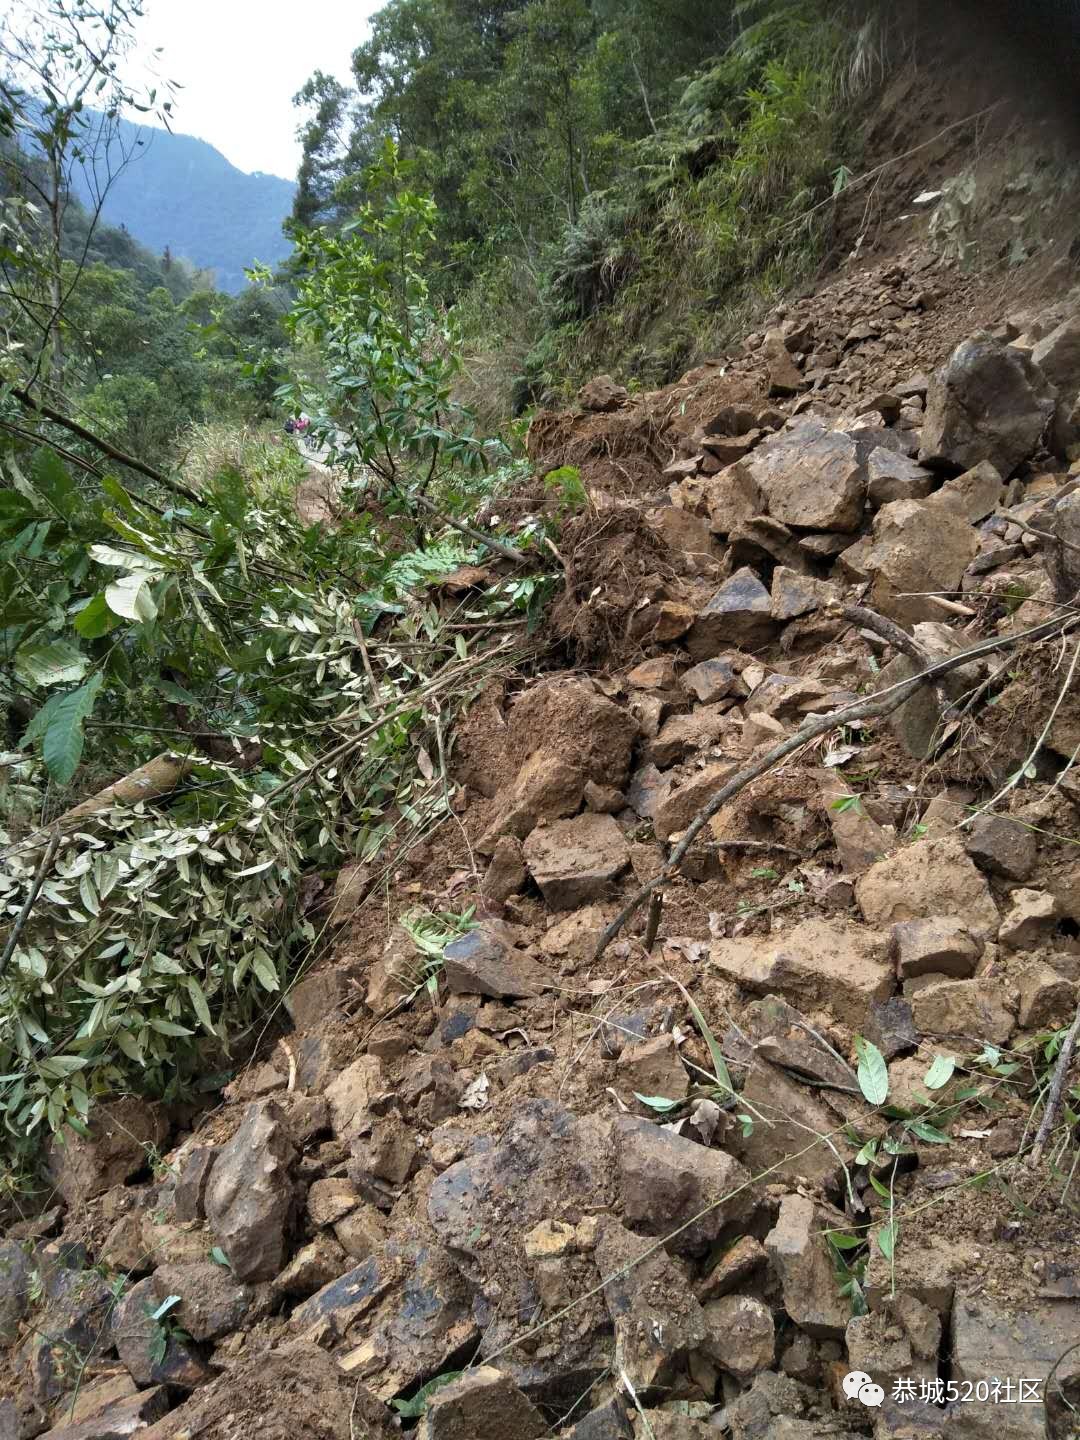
859, 1386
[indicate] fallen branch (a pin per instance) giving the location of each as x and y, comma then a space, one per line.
73, 427
881, 704
508, 552
28, 904
896, 636
1057, 1089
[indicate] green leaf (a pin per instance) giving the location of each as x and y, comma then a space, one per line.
845, 802
873, 1072
169, 1303
95, 619
940, 1072
264, 969
414, 1409
887, 1237
925, 1131
840, 1241
62, 745
218, 1256
57, 663
867, 1153
657, 1102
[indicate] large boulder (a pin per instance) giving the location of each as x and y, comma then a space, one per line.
250, 1196
917, 548
988, 402
809, 477
932, 877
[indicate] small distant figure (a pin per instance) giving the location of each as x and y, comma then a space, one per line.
290, 426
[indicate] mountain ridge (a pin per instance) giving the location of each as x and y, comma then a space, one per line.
181, 192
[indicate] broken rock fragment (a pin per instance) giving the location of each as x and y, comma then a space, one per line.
249, 1197
942, 945
797, 1251
988, 402
665, 1180
575, 861
740, 614
484, 1404
931, 877
809, 477
482, 962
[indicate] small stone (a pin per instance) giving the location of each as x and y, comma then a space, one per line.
973, 495
794, 594
1030, 922
733, 1269
1001, 846
741, 1337
351, 1092
894, 477
931, 877
330, 1200
361, 1233
710, 680
137, 1339
655, 674
484, 1404
680, 804
550, 1240
312, 1267
941, 945
191, 1184
506, 874
602, 394
482, 963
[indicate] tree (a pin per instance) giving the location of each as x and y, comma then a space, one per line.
57, 56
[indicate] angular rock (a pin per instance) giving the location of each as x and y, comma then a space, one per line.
606, 1422
602, 394
151, 1356
989, 1341
784, 1037
1030, 922
604, 799
740, 613
212, 1303
1058, 355
783, 1141
655, 674
894, 477
350, 1094
122, 1133
656, 1318
785, 377
740, 1335
484, 1404
971, 1008
646, 791
482, 963
71, 1329
575, 861
916, 549
16, 1271
733, 1269
250, 1198
859, 839
570, 719
988, 402
809, 477
794, 594
1001, 846
360, 1234
506, 874
653, 1068
312, 1267
941, 945
681, 735
817, 963
118, 1420
891, 1027
678, 806
798, 1253
665, 1179
973, 495
1046, 998
931, 877
190, 1194
881, 1346
711, 680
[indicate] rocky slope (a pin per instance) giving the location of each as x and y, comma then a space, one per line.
662, 1190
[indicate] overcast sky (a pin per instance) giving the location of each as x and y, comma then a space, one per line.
241, 62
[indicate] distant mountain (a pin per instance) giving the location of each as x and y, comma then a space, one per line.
182, 193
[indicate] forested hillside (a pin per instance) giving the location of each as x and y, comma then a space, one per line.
616, 182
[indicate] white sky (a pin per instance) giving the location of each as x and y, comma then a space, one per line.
241, 62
